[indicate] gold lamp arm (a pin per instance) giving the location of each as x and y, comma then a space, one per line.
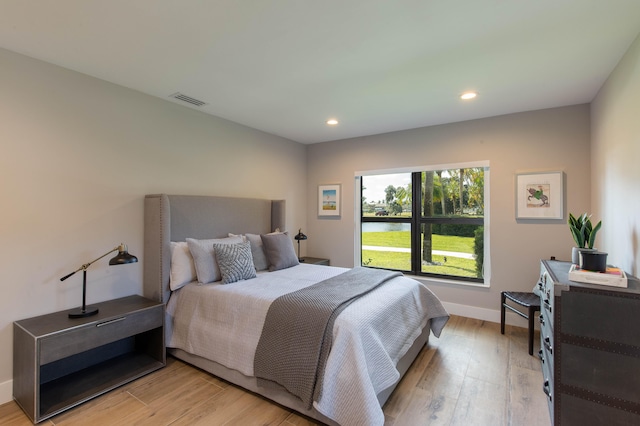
84, 267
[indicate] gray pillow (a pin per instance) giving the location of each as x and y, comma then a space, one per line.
257, 251
279, 251
235, 261
207, 269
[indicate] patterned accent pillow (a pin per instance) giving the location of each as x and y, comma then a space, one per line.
235, 261
207, 269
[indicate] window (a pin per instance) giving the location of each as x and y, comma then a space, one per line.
428, 222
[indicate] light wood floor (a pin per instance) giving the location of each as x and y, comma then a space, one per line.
471, 375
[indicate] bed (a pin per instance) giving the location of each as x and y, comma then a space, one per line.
362, 367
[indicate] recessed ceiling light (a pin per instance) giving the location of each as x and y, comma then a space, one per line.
468, 95
332, 122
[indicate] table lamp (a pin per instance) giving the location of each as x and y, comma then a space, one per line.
299, 237
123, 257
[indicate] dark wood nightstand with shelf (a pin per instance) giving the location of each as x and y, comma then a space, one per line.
59, 362
314, 261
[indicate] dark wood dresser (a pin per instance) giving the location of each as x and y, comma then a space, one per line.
590, 349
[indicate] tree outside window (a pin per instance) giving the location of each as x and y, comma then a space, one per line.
428, 222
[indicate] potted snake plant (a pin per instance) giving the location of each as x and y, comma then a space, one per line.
584, 234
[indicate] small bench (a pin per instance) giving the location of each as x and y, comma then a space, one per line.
530, 301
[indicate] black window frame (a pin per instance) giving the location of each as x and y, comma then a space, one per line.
417, 220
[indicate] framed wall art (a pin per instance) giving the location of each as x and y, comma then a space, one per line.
329, 200
539, 195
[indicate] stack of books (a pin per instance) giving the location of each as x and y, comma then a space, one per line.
614, 277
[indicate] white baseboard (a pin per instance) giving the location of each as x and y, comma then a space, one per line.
484, 314
6, 391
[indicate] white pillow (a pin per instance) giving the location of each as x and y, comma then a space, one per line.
207, 268
183, 270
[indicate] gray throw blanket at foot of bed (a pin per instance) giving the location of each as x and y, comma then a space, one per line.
296, 336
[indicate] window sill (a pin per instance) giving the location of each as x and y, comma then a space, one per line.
448, 282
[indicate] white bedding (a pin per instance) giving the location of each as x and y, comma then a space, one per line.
223, 323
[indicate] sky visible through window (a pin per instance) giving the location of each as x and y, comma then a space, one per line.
375, 185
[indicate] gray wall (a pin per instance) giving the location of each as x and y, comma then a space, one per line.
546, 140
615, 162
78, 156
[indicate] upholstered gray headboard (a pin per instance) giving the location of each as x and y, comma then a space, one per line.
176, 217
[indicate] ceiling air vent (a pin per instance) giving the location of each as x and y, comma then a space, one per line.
187, 99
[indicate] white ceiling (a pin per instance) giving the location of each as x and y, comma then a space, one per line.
286, 66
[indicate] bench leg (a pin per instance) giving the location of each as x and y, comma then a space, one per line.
531, 317
502, 302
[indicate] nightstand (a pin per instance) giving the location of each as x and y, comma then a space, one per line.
59, 362
314, 261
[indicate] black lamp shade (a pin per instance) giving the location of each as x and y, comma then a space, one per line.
123, 258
